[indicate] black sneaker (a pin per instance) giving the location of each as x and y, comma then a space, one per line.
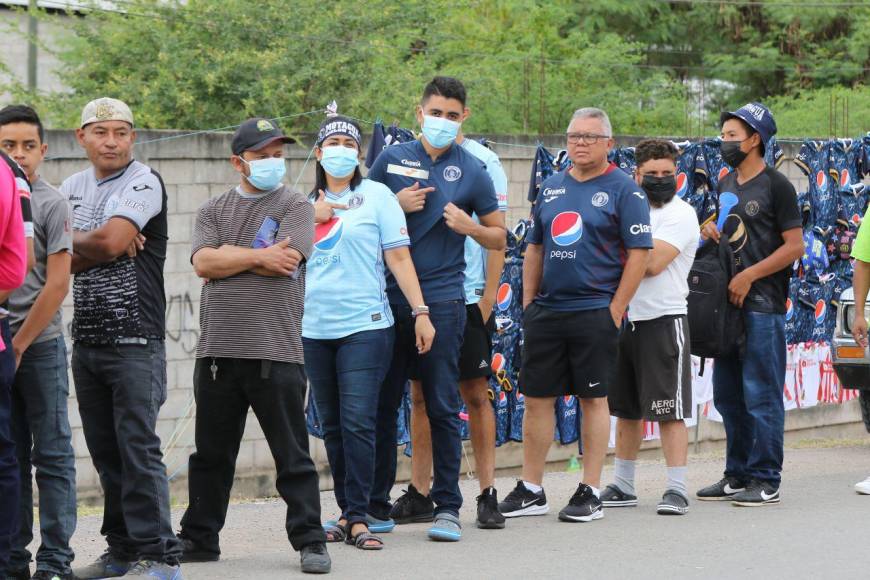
522, 502
413, 507
20, 574
315, 559
582, 507
193, 552
756, 493
612, 496
722, 490
673, 503
46, 575
488, 516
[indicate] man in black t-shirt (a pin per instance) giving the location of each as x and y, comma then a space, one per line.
764, 230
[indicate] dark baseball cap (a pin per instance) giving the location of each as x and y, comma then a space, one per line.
756, 116
256, 133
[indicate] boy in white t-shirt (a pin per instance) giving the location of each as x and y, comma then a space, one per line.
654, 376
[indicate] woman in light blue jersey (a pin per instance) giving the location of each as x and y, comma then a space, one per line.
347, 328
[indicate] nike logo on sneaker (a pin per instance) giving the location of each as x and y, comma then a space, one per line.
731, 490
765, 496
526, 504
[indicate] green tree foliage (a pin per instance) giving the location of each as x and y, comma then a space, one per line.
659, 67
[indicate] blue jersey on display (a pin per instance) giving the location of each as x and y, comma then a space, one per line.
585, 229
814, 160
567, 420
383, 138
798, 317
846, 160
475, 254
818, 301
542, 168
345, 284
623, 157
438, 252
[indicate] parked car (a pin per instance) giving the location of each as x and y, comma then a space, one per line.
851, 361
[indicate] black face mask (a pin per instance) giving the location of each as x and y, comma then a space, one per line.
732, 154
660, 190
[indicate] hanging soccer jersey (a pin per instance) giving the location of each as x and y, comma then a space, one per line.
809, 375
789, 392
814, 161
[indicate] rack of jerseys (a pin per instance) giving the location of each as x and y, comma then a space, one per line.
832, 207
700, 167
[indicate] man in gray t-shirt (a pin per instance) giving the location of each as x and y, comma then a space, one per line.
39, 395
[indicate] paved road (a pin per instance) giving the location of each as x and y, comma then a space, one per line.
819, 530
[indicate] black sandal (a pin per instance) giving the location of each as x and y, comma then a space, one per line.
360, 541
335, 534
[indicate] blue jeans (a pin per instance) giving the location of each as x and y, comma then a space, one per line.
747, 391
9, 486
345, 376
438, 371
120, 389
44, 440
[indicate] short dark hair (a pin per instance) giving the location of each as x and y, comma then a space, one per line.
650, 149
447, 87
22, 114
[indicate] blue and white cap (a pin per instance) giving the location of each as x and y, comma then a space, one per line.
756, 116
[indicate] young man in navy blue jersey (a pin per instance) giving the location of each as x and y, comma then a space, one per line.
587, 254
439, 185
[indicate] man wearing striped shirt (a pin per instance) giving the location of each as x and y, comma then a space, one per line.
249, 244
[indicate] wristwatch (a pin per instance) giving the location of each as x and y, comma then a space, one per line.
417, 311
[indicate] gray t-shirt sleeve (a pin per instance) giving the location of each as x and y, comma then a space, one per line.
58, 233
141, 200
205, 233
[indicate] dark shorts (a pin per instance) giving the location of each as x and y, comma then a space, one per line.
654, 371
476, 353
568, 353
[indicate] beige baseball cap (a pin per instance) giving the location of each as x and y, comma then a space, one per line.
106, 109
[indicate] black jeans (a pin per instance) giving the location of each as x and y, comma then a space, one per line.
120, 389
8, 464
276, 392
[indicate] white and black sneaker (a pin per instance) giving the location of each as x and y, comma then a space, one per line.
673, 503
757, 493
522, 502
722, 490
583, 506
612, 496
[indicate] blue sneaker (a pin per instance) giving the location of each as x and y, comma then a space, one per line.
446, 528
376, 526
106, 566
152, 569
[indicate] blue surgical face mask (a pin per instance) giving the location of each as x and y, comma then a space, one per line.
266, 174
440, 132
339, 161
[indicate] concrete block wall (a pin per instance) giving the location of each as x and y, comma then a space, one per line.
195, 168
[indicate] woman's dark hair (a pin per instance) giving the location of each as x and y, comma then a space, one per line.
320, 180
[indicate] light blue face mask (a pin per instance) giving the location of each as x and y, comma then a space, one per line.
339, 161
440, 132
266, 174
